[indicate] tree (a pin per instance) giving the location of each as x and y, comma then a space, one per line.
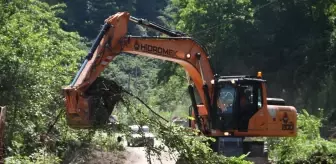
37, 58
292, 42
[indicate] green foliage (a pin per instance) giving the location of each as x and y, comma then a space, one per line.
140, 75
308, 146
106, 141
40, 157
220, 25
37, 58
292, 39
172, 95
86, 16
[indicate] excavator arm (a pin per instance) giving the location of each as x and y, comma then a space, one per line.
113, 41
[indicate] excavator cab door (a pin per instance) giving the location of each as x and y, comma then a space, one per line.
249, 93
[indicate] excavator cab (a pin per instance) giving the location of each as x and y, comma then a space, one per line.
240, 108
239, 98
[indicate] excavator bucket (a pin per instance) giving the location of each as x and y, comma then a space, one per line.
77, 109
92, 108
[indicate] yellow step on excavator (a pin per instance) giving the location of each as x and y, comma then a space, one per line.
228, 108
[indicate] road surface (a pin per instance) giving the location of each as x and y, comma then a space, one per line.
137, 155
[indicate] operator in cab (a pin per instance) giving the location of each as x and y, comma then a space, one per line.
246, 109
243, 104
246, 106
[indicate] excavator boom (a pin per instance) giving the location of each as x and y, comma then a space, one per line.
113, 41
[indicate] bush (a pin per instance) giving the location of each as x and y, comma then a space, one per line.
40, 157
307, 147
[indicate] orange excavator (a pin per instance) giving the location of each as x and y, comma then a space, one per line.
223, 106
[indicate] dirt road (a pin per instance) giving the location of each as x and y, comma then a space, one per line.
137, 155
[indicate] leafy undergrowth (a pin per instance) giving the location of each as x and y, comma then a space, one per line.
88, 146
307, 147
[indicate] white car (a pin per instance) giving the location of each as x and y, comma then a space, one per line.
137, 139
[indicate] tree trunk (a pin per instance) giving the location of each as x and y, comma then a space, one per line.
2, 134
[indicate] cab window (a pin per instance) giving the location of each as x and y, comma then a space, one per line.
226, 99
247, 93
251, 96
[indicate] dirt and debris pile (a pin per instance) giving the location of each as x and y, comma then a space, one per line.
105, 94
95, 156
100, 157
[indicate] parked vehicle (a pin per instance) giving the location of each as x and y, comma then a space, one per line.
140, 136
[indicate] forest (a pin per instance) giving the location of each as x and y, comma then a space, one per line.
43, 44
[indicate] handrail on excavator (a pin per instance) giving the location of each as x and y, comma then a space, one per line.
154, 26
